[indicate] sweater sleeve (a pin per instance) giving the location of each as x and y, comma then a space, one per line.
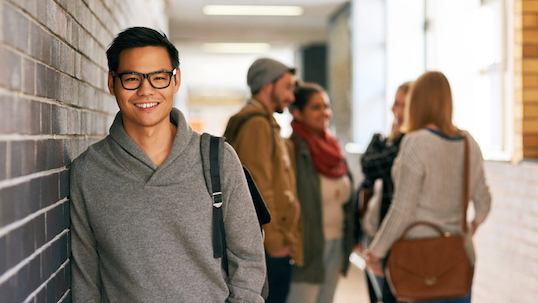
85, 280
246, 259
480, 194
408, 177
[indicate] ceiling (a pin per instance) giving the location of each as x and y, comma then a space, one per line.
188, 25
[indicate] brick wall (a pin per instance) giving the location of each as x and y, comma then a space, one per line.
54, 103
507, 243
526, 79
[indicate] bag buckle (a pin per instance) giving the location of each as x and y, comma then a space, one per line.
217, 199
430, 281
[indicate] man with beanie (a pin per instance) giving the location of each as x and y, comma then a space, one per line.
255, 135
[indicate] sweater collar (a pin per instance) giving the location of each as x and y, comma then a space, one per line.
181, 140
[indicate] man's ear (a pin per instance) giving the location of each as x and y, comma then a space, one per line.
111, 83
177, 80
266, 88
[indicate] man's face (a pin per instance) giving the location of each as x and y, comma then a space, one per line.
146, 106
282, 94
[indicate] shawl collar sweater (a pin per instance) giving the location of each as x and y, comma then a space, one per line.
142, 233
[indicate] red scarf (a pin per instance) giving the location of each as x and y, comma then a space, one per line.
324, 150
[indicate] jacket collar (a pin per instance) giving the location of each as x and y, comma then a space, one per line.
259, 105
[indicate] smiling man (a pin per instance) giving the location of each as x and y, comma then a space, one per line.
140, 210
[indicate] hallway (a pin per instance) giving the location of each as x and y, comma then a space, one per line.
352, 288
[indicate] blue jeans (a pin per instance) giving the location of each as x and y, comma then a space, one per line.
466, 299
279, 277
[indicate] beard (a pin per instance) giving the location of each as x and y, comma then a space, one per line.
276, 102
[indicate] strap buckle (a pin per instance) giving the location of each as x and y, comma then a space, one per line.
217, 199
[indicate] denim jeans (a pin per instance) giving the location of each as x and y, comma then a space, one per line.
279, 277
466, 299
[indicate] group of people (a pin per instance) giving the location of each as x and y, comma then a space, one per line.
420, 166
142, 216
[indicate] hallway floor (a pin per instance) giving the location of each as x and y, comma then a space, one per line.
353, 289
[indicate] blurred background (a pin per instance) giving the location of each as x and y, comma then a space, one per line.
359, 51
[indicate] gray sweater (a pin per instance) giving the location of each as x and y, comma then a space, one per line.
142, 233
428, 186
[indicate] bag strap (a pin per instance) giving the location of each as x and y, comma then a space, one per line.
214, 188
466, 163
242, 120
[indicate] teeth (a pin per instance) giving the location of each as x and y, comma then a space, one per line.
146, 105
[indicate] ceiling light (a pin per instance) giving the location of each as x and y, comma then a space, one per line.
253, 10
236, 48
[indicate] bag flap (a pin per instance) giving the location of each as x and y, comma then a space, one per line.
429, 257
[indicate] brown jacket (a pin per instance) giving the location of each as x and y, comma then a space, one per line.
255, 135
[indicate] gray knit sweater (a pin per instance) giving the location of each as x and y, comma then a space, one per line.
428, 181
142, 233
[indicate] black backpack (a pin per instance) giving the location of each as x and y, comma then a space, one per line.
211, 149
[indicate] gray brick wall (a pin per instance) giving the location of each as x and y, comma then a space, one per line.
507, 243
54, 104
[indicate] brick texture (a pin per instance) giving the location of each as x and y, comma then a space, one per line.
507, 242
525, 79
54, 104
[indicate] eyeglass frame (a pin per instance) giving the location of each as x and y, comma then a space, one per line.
145, 76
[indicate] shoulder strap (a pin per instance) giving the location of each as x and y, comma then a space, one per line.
242, 120
466, 163
262, 212
245, 118
210, 150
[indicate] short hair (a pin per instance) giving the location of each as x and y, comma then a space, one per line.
303, 92
429, 101
139, 37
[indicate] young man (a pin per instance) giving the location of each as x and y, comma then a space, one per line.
255, 135
140, 209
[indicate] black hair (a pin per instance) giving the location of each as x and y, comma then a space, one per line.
139, 37
303, 92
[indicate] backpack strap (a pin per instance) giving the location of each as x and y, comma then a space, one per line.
242, 120
210, 149
247, 117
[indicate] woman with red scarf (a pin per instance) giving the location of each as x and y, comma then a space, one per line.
325, 190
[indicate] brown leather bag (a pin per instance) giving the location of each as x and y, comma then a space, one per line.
430, 269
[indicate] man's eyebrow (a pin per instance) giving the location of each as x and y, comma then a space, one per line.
156, 71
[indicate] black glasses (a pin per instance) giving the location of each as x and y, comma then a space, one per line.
133, 80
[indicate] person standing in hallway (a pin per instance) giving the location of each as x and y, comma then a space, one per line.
376, 163
255, 135
141, 214
428, 173
325, 190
